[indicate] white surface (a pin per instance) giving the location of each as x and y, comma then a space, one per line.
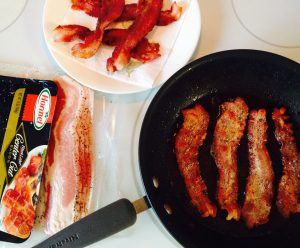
14, 8
22, 43
272, 21
92, 72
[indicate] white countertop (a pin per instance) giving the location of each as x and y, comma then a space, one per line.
23, 44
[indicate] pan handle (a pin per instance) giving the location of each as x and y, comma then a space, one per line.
98, 225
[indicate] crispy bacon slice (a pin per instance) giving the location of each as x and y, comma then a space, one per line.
68, 33
110, 10
228, 132
129, 13
259, 189
90, 7
166, 17
144, 50
68, 170
143, 24
288, 198
187, 142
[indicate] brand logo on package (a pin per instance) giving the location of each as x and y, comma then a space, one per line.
42, 109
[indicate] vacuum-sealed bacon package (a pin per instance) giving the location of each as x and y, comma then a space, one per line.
26, 113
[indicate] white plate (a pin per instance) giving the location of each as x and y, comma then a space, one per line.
182, 51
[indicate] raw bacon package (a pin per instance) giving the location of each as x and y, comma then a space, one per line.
26, 114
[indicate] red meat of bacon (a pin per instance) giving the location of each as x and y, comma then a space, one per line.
67, 33
110, 10
166, 17
145, 21
143, 52
90, 7
259, 189
68, 169
289, 187
187, 142
227, 135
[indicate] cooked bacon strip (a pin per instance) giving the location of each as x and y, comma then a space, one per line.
288, 198
166, 17
110, 10
90, 7
227, 135
68, 170
187, 142
144, 50
68, 33
129, 13
259, 189
143, 24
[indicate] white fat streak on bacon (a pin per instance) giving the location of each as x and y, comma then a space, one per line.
68, 173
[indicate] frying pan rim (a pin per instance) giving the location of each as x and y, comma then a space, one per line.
173, 80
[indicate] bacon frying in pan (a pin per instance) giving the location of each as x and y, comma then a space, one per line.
110, 10
145, 21
289, 186
259, 189
187, 142
228, 132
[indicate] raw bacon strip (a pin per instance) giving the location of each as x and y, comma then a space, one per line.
289, 187
68, 169
227, 135
166, 17
143, 24
187, 142
68, 33
259, 189
110, 10
90, 7
143, 52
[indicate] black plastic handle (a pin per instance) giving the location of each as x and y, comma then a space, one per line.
94, 227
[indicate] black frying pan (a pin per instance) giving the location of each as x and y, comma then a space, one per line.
264, 80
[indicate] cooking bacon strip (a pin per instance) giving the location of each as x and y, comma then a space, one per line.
143, 24
166, 17
288, 198
259, 189
110, 10
187, 142
227, 135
